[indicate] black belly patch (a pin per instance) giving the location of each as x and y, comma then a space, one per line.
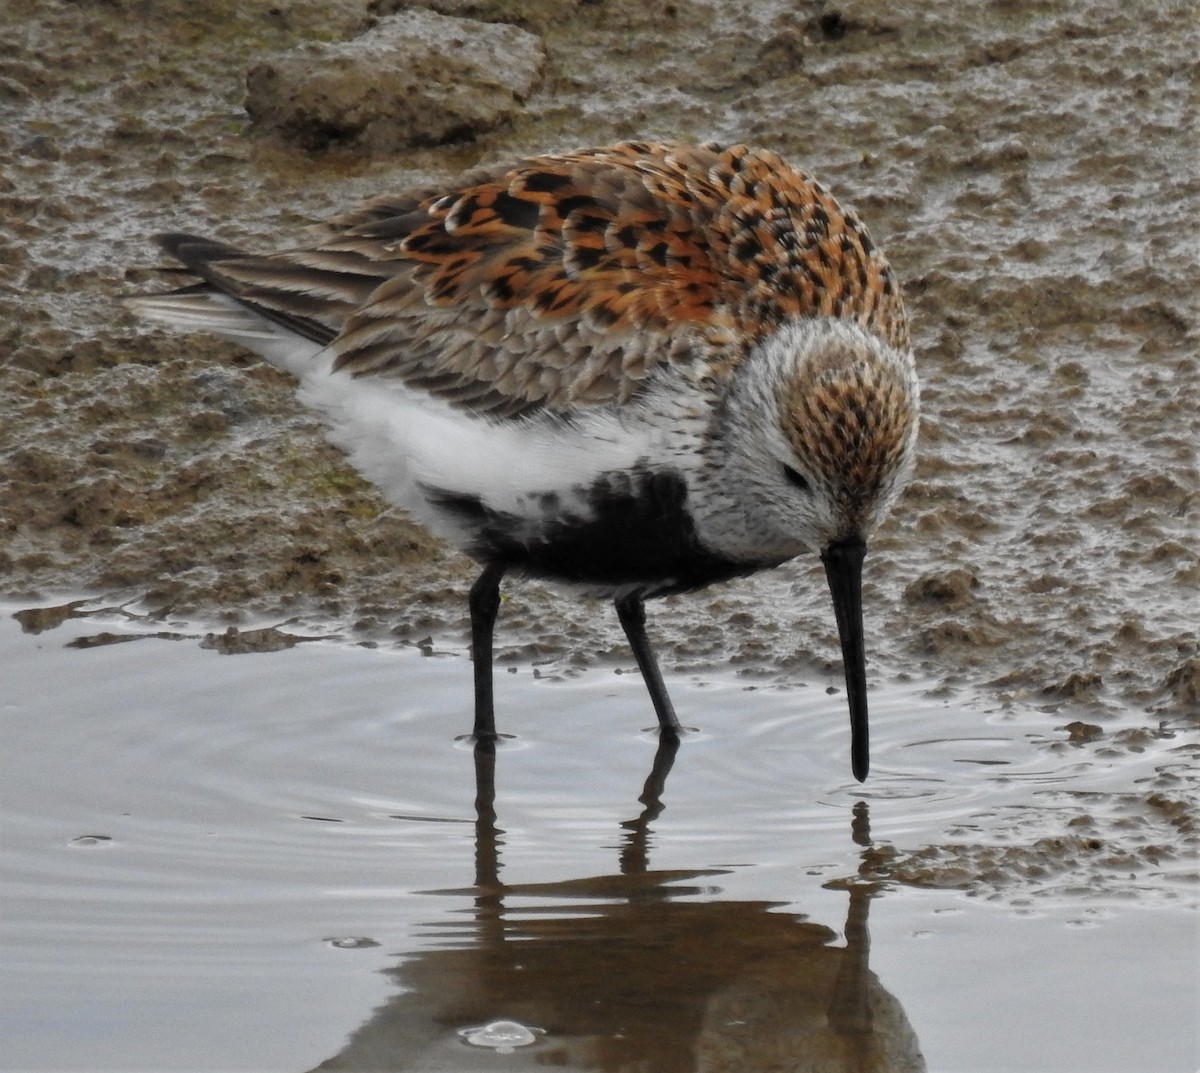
634, 529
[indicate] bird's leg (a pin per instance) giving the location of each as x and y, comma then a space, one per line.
484, 603
632, 613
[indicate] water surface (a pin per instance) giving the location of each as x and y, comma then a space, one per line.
286, 861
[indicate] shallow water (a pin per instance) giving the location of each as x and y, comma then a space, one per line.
279, 861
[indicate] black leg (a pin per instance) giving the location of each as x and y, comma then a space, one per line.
632, 613
484, 602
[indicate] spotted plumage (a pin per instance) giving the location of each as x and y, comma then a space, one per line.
639, 369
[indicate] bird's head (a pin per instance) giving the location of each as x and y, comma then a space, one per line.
820, 429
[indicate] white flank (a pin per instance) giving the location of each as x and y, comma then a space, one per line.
401, 440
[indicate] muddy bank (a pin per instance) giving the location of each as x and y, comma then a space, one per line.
1029, 168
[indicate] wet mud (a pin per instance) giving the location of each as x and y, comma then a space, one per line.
1029, 168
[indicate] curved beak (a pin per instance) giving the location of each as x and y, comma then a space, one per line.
843, 570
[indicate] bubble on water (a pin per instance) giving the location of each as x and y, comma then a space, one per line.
351, 942
503, 1037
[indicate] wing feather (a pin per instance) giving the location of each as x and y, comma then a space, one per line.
567, 280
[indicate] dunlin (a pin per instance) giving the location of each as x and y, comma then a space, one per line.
636, 370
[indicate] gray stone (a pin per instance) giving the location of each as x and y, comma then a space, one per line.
416, 78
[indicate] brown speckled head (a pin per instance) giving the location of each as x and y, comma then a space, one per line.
852, 420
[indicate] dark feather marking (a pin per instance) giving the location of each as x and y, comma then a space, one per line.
568, 205
637, 532
628, 236
517, 212
587, 223
545, 182
658, 253
585, 257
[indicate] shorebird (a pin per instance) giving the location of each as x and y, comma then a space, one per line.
636, 370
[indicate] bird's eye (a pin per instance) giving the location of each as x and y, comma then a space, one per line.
795, 479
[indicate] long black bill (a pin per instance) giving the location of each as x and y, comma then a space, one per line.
843, 569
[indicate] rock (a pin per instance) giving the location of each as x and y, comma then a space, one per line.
1075, 686
1080, 733
415, 79
952, 589
1184, 683
235, 642
535, 15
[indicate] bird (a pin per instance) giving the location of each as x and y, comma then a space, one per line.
634, 370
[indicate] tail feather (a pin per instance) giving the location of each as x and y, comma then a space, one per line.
226, 306
202, 309
196, 251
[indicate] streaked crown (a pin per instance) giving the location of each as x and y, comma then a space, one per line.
850, 414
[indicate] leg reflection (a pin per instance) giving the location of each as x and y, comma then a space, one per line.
634, 858
635, 853
489, 897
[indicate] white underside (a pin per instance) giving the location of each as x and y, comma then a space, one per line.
401, 439
403, 442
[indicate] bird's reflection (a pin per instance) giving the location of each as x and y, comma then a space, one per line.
639, 972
